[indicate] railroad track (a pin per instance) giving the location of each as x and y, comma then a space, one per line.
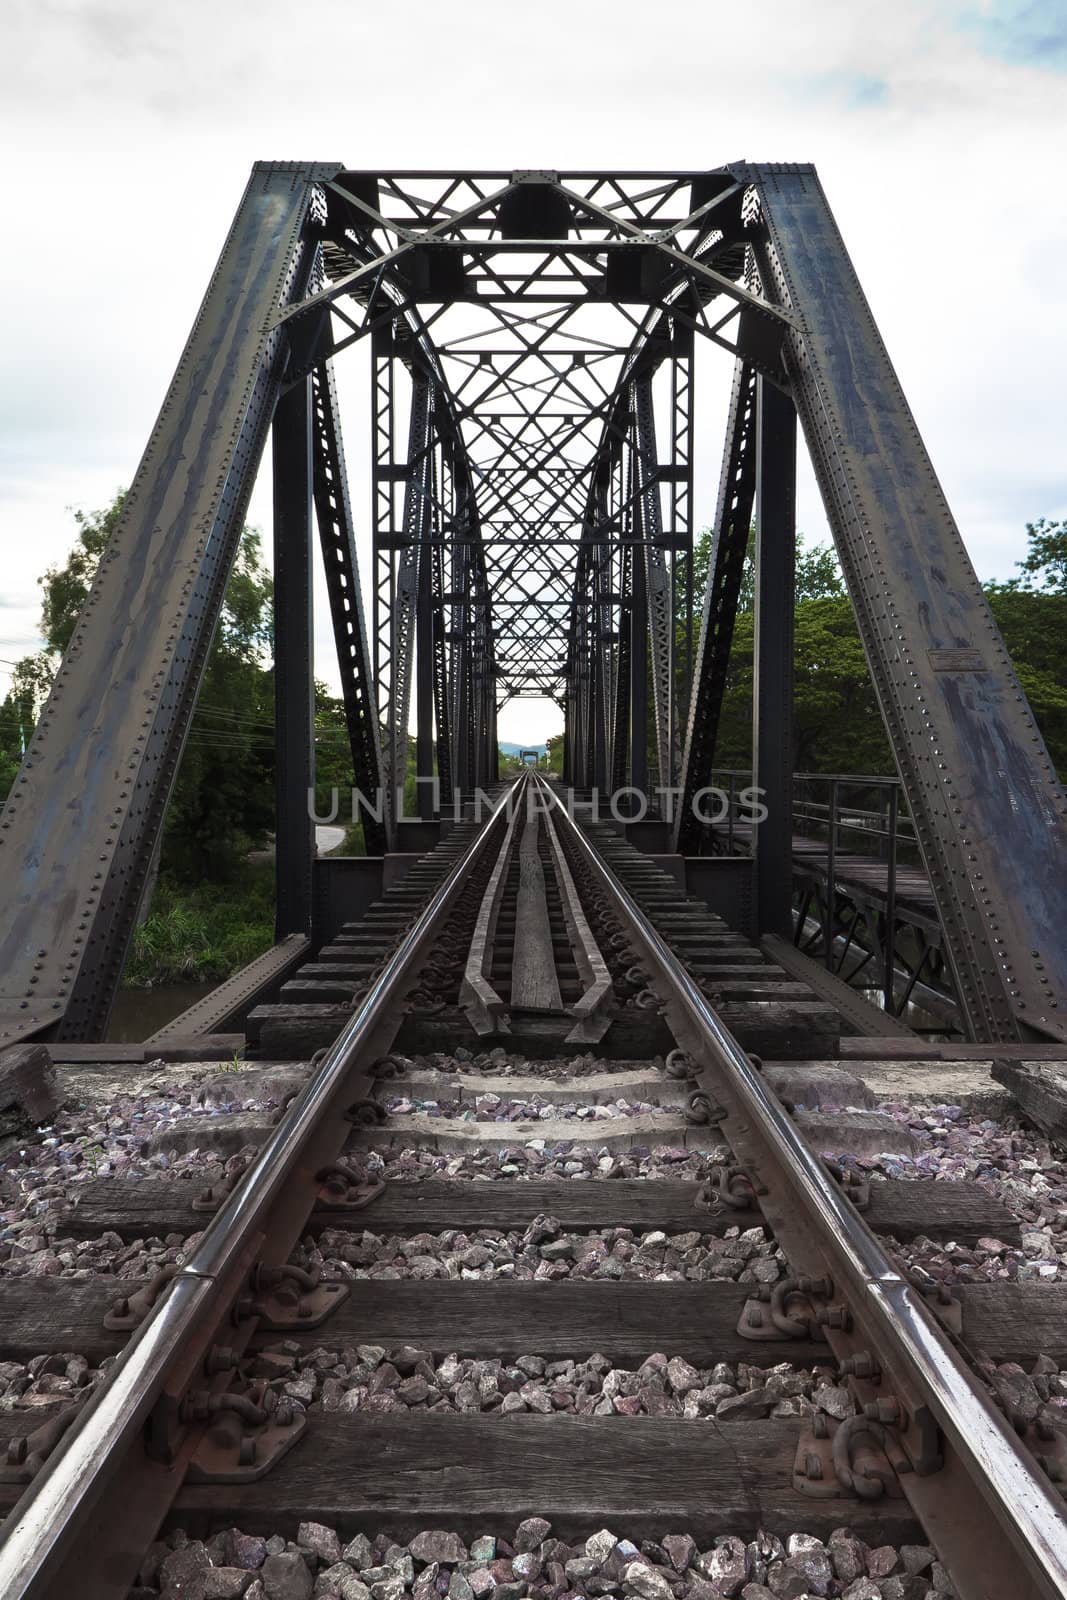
715, 1333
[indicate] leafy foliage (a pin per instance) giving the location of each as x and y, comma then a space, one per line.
223, 800
1045, 565
837, 724
204, 931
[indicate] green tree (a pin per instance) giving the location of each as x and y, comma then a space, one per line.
66, 588
223, 803
1045, 564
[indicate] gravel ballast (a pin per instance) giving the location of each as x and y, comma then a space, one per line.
534, 1563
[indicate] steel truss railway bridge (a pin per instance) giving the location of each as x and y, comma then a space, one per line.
531, 338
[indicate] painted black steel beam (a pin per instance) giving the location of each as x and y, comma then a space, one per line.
989, 811
294, 679
82, 819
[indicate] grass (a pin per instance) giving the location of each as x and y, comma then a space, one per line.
204, 933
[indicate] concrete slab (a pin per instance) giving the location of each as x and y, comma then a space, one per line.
593, 1088
967, 1084
812, 1084
857, 1133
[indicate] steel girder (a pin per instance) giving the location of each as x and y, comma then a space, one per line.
990, 814
81, 823
294, 678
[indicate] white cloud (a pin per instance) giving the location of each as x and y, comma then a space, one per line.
132, 128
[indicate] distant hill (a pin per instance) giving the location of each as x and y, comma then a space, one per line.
515, 749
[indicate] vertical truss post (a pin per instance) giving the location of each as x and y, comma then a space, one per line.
638, 615
294, 683
441, 686
681, 523
772, 691
337, 538
406, 597
590, 668
461, 641
425, 652
604, 640
442, 690
581, 693
733, 518
657, 579
620, 732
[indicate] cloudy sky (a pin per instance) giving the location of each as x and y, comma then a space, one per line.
939, 130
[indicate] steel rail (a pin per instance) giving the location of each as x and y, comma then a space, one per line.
1022, 1501
65, 1494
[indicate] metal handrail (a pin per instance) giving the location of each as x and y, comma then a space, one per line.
1024, 1502
869, 779
70, 1482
